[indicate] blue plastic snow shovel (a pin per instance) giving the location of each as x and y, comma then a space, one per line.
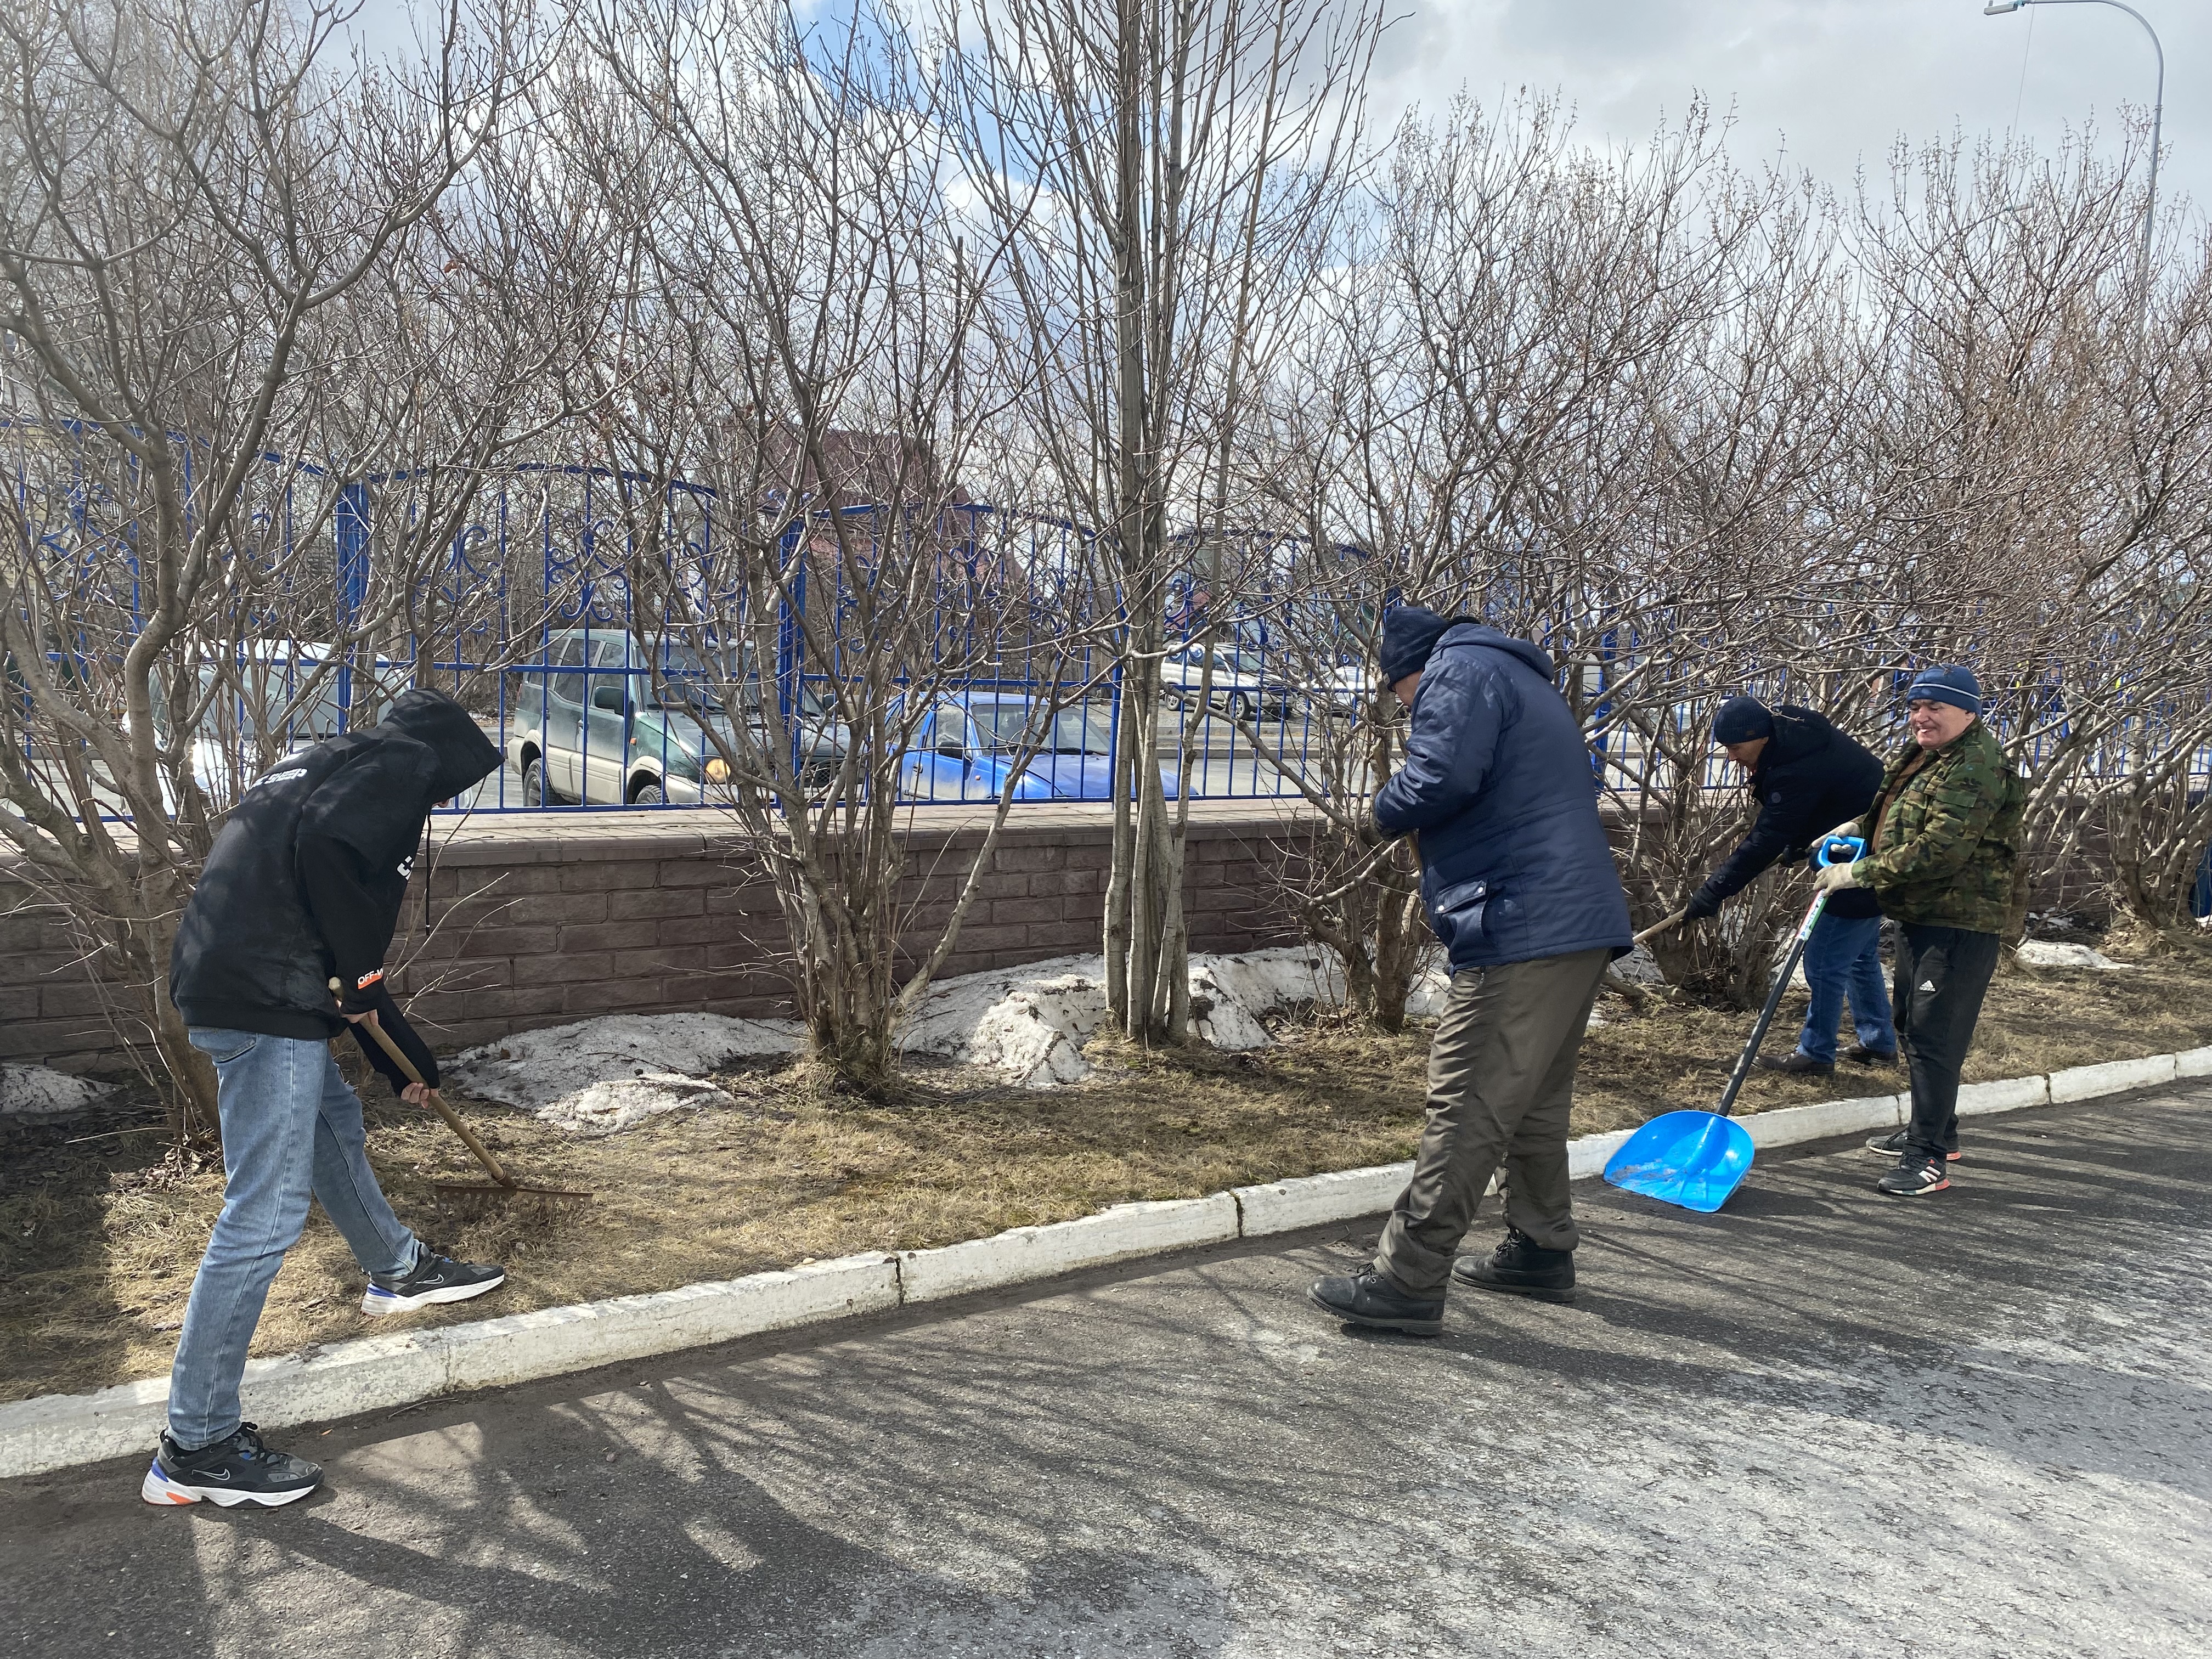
1696, 1159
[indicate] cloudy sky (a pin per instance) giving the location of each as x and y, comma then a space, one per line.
1827, 83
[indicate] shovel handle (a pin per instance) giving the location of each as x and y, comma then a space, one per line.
437, 1101
1812, 913
1658, 927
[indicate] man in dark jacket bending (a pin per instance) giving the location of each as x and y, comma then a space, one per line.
1521, 887
304, 885
1806, 776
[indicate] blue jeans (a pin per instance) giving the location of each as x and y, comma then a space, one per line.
1844, 955
291, 1127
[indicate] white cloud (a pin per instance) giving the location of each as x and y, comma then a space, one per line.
1828, 83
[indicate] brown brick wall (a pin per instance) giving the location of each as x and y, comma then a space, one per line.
526, 922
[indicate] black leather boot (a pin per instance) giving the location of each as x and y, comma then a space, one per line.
1520, 1267
1370, 1298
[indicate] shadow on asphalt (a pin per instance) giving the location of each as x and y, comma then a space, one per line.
1106, 1459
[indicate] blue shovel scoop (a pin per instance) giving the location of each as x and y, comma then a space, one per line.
1696, 1159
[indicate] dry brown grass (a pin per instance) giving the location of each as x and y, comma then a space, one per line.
98, 1250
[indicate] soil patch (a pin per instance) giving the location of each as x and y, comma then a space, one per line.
97, 1244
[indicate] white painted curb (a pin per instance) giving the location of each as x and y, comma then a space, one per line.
1284, 1207
1022, 1254
377, 1373
1791, 1126
1587, 1155
1978, 1099
2087, 1082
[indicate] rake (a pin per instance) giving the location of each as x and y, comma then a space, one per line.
502, 1185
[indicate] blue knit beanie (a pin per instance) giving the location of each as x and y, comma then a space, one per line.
1954, 684
1410, 632
1741, 719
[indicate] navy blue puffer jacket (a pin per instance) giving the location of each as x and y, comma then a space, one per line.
1497, 784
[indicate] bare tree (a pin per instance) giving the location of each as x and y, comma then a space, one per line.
801, 345
1164, 180
223, 304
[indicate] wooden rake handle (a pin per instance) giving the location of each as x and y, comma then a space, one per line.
437, 1101
1658, 927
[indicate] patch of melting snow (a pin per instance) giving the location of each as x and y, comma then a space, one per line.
2050, 953
610, 1107
41, 1091
1031, 1022
603, 1076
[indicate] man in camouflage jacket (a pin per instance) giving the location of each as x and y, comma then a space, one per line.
1943, 844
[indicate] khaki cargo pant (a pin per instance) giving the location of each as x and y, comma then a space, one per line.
1501, 1079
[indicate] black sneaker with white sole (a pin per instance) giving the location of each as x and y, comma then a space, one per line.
1916, 1173
435, 1278
1894, 1144
234, 1470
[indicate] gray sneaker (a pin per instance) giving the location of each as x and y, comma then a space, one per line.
1894, 1144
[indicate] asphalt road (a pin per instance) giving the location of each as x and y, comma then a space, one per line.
1819, 1422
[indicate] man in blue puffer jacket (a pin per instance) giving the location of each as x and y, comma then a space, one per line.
1520, 886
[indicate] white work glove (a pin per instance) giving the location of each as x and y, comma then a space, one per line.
1834, 877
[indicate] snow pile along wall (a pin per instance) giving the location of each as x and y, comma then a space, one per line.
603, 1076
28, 1091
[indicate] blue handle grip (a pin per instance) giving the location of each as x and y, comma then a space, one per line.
1840, 849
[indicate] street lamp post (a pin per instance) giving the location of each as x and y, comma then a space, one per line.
1999, 8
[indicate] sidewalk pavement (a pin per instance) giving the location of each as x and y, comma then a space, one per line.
1818, 1423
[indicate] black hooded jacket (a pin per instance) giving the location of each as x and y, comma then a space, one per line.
1809, 778
305, 882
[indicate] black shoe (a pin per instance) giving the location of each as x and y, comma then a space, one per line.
1863, 1055
1521, 1268
1916, 1173
435, 1278
236, 1469
1798, 1063
1894, 1144
1369, 1299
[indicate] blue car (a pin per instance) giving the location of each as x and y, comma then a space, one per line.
967, 750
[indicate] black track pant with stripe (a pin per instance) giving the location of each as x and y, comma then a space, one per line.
1942, 975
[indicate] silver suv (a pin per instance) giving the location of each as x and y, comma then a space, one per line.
592, 726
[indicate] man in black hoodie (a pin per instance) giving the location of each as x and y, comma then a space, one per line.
1807, 776
303, 887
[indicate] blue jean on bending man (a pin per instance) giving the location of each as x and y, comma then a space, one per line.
1843, 959
291, 1128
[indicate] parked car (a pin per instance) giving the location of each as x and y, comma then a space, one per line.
597, 725
1350, 691
967, 750
1235, 688
591, 726
1250, 684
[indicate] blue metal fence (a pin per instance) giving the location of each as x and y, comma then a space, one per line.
573, 591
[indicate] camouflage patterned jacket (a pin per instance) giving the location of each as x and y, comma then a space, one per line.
1949, 839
